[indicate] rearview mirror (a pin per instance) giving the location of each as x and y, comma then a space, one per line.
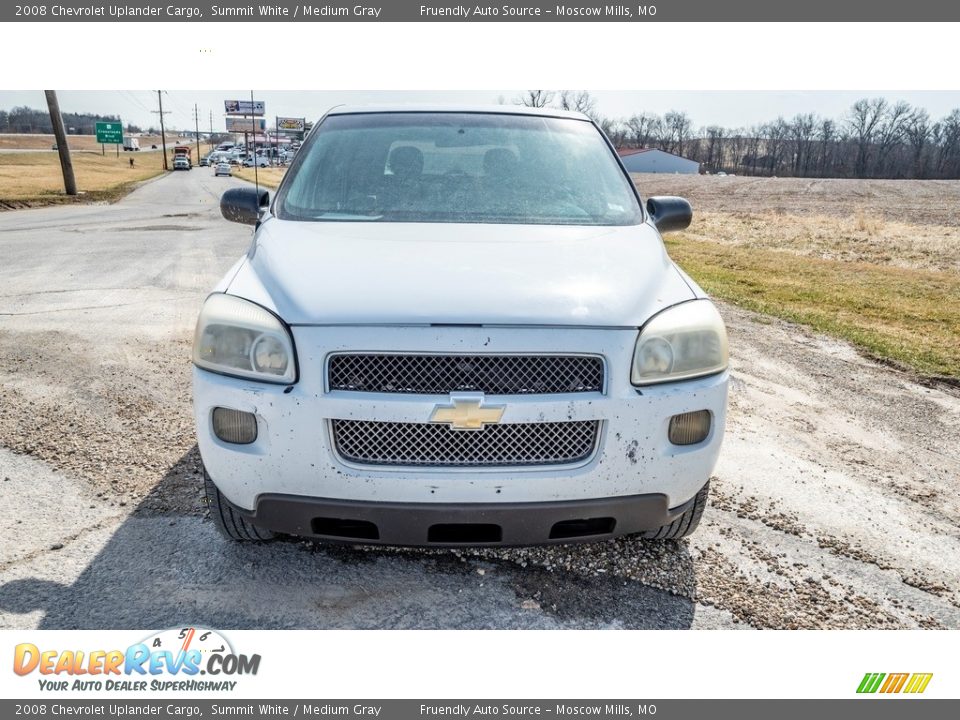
244, 205
670, 213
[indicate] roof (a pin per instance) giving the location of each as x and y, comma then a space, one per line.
484, 109
623, 152
626, 152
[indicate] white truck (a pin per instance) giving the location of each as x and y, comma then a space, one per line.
457, 327
131, 144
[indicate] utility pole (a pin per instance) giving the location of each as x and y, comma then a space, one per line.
60, 133
163, 133
211, 123
196, 119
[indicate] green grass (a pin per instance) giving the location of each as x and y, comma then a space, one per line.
908, 316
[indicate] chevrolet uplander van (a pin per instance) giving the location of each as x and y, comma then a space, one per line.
458, 327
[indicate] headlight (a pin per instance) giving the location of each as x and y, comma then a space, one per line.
237, 337
682, 342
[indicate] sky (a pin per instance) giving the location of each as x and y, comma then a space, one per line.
712, 107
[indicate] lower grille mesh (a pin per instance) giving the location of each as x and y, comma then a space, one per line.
437, 445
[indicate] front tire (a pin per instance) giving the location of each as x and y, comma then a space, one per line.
684, 525
231, 524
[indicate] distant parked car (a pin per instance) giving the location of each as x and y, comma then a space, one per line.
257, 160
153, 147
204, 162
54, 147
181, 163
222, 168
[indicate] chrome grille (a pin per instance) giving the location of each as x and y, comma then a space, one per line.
437, 445
443, 374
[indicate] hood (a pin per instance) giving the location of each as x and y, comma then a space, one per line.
357, 273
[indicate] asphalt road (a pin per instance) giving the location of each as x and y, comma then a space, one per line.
834, 503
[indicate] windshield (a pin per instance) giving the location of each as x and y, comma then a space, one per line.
458, 168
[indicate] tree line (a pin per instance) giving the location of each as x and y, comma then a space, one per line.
876, 138
28, 120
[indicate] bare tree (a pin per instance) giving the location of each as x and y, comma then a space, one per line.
801, 132
713, 152
643, 128
677, 129
579, 101
865, 118
616, 130
918, 131
535, 98
890, 133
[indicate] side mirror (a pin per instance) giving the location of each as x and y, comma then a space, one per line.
670, 213
244, 205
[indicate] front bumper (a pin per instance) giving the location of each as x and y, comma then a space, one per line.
294, 455
451, 525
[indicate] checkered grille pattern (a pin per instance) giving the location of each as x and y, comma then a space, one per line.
438, 445
443, 374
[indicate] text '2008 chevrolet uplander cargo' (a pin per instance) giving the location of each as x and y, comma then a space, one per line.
458, 327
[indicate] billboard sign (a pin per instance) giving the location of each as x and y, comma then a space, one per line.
243, 107
290, 124
248, 125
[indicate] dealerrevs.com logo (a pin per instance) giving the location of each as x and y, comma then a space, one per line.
168, 660
910, 683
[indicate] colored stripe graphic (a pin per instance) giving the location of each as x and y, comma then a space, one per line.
918, 682
894, 682
870, 682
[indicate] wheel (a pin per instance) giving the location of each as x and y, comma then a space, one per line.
684, 525
231, 524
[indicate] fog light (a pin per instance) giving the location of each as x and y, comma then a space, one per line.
689, 428
234, 426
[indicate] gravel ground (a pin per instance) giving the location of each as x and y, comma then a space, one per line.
834, 503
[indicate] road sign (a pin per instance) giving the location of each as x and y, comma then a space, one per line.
110, 133
243, 107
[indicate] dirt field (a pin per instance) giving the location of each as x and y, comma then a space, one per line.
920, 202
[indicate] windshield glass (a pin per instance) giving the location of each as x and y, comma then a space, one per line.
458, 168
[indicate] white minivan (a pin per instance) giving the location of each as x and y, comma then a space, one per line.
458, 327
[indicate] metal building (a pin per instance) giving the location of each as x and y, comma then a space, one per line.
651, 160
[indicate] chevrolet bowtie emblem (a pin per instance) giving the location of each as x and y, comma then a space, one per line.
466, 411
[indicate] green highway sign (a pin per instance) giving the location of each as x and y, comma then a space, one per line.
110, 133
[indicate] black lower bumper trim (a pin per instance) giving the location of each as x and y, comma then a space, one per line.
463, 524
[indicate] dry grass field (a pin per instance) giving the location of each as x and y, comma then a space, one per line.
268, 177
23, 141
30, 178
876, 262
